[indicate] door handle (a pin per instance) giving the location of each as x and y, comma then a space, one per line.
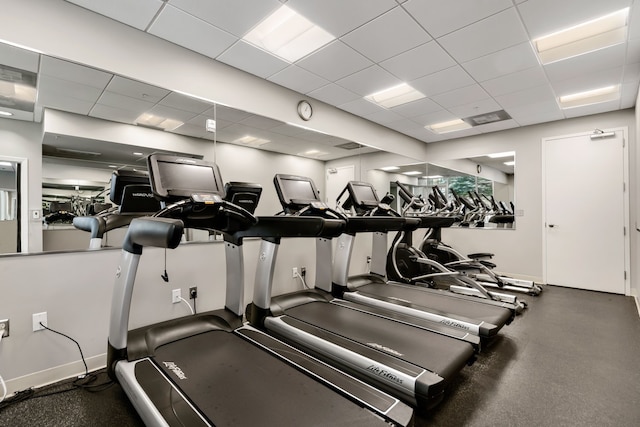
551, 225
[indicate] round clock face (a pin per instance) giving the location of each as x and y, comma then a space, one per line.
304, 110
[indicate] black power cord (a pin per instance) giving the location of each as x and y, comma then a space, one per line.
85, 382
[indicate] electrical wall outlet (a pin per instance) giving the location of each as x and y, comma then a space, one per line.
4, 328
294, 273
176, 295
38, 318
193, 292
303, 271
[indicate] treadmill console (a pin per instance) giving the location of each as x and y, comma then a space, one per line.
296, 192
121, 178
175, 178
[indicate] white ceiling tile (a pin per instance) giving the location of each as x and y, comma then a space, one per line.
136, 89
192, 33
251, 59
334, 61
547, 108
298, 79
137, 13
360, 107
21, 59
588, 81
497, 126
59, 101
588, 110
631, 72
440, 17
434, 117
482, 106
490, 35
529, 96
72, 72
417, 108
50, 87
461, 96
227, 113
633, 50
333, 94
186, 103
634, 23
442, 81
236, 17
507, 61
124, 102
386, 36
369, 80
629, 94
115, 114
418, 62
542, 17
171, 113
589, 63
524, 79
339, 17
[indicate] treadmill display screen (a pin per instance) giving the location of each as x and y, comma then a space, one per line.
181, 177
364, 195
297, 190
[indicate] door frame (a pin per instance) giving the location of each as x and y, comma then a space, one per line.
626, 212
23, 201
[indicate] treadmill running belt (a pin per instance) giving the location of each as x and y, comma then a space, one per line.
442, 303
439, 354
235, 383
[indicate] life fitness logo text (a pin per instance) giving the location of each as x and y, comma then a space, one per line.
175, 369
381, 372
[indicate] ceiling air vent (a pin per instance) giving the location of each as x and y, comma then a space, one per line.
349, 146
486, 118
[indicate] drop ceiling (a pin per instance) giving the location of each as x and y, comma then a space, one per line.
467, 60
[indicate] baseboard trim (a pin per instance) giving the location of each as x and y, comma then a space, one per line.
55, 374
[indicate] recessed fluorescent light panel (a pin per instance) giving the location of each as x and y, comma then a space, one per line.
596, 96
394, 96
5, 113
511, 163
389, 168
608, 30
17, 88
313, 153
288, 35
251, 141
157, 122
413, 173
500, 155
450, 126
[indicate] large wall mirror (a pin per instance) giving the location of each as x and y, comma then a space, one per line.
480, 189
77, 166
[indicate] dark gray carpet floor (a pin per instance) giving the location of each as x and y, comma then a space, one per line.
573, 359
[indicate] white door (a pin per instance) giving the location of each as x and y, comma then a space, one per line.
584, 212
337, 179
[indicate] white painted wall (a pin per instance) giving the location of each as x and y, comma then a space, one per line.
519, 252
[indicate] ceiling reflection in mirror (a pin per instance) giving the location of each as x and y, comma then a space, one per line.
31, 83
479, 190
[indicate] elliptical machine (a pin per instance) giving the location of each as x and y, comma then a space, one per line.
477, 266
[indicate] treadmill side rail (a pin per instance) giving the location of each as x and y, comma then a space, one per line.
388, 377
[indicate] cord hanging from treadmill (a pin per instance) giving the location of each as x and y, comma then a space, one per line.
165, 276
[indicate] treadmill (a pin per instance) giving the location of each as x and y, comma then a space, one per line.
209, 368
408, 362
131, 193
481, 317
